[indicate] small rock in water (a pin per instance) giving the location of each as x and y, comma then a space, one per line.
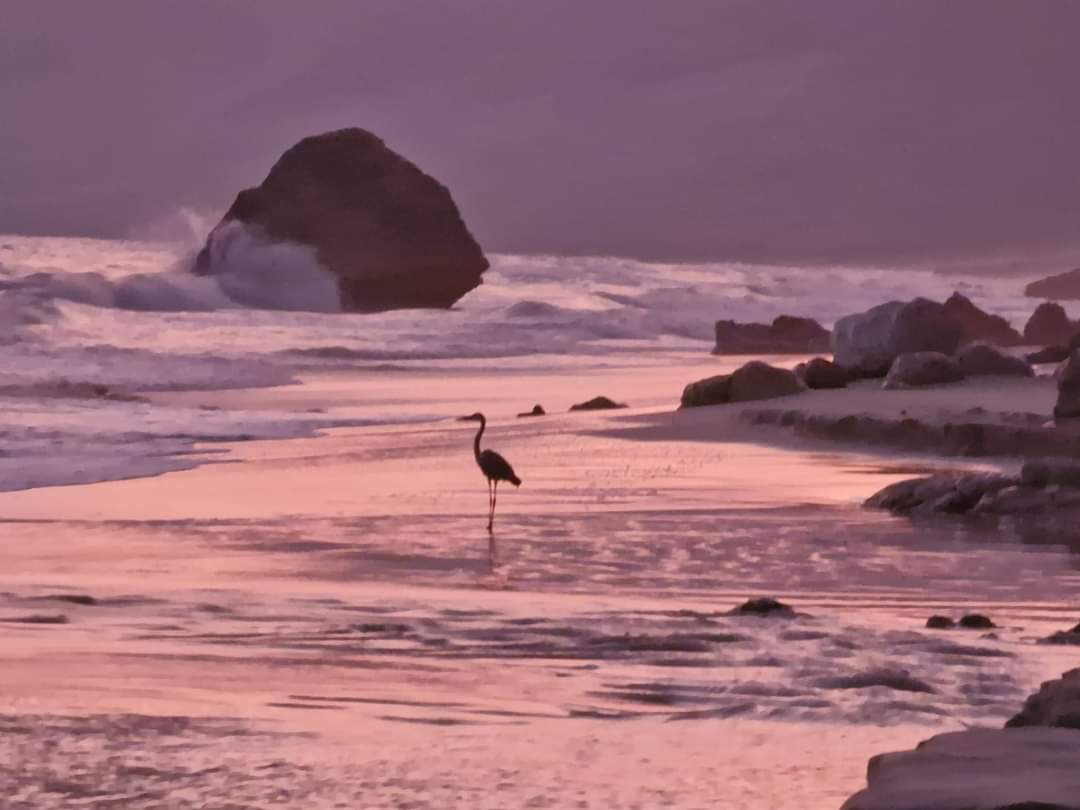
537, 410
58, 618
940, 623
764, 606
71, 598
976, 621
597, 404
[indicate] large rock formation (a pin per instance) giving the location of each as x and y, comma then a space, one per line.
1049, 325
978, 769
390, 234
785, 335
1063, 285
755, 380
922, 368
870, 341
980, 325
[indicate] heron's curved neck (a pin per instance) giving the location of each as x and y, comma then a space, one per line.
479, 433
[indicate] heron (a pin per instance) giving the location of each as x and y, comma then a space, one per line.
494, 467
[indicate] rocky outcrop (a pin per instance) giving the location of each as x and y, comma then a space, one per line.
597, 404
537, 410
1049, 325
785, 335
764, 606
982, 359
922, 368
870, 341
990, 494
1063, 286
1068, 399
978, 769
980, 325
1070, 637
1057, 704
820, 373
390, 234
753, 381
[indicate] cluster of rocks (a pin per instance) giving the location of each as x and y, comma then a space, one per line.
1046, 484
600, 403
922, 342
1032, 763
969, 621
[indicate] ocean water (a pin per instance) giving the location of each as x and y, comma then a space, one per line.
309, 611
89, 327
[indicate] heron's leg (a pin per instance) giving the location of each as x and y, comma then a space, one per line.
494, 498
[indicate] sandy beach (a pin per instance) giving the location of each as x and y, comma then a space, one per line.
324, 619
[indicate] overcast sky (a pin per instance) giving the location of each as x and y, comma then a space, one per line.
675, 129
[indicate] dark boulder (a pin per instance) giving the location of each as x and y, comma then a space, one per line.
1048, 471
1068, 399
1049, 354
764, 606
980, 325
390, 234
752, 381
1061, 286
820, 373
597, 404
1049, 325
976, 621
870, 341
537, 410
785, 335
923, 368
940, 623
982, 359
1057, 703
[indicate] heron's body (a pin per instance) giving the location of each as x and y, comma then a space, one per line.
494, 467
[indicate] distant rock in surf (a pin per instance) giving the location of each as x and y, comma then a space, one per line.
752, 381
390, 234
537, 410
940, 623
1049, 325
1064, 637
1063, 285
598, 404
764, 606
787, 334
870, 341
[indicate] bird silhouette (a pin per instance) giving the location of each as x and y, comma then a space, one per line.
494, 467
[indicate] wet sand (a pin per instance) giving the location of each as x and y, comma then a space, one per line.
324, 621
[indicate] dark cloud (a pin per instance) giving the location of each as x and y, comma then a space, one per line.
756, 129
